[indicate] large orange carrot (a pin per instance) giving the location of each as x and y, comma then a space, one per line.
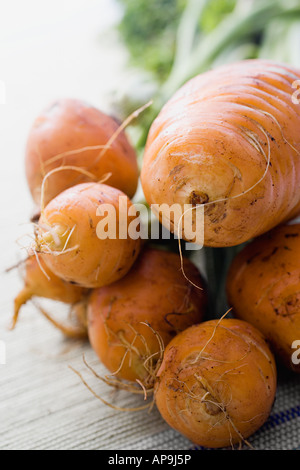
229, 140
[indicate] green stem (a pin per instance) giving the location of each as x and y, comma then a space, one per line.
237, 25
186, 31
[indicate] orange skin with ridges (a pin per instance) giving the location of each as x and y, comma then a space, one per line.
87, 260
211, 142
154, 291
68, 125
263, 287
217, 383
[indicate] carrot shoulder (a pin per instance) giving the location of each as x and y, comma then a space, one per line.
229, 140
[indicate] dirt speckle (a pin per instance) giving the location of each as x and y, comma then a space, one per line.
176, 170
266, 258
198, 197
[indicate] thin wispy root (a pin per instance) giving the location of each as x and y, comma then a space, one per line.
104, 147
114, 407
200, 355
215, 403
143, 387
16, 266
119, 384
20, 300
126, 123
210, 399
151, 361
57, 170
71, 331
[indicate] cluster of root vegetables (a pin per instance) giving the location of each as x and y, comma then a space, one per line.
228, 140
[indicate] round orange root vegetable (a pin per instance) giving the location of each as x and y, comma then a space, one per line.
39, 281
69, 241
130, 321
229, 140
71, 132
217, 382
263, 286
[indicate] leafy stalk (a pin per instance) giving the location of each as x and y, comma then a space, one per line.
187, 30
238, 25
